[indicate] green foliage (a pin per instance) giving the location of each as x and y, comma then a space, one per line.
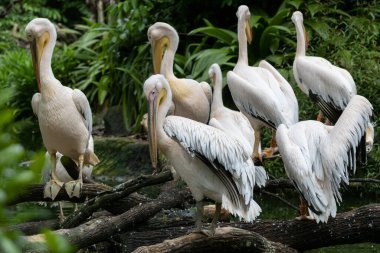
14, 178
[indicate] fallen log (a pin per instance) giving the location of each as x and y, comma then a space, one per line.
356, 226
226, 239
100, 229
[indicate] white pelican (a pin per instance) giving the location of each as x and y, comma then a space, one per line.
261, 93
212, 164
329, 86
64, 114
190, 98
317, 157
231, 122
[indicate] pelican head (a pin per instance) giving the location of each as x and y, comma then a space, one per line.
160, 35
213, 73
156, 89
297, 19
41, 34
243, 15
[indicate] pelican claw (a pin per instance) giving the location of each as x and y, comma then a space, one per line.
74, 188
52, 189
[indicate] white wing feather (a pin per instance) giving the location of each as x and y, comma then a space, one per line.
215, 145
255, 98
83, 107
333, 84
302, 164
344, 137
36, 102
286, 88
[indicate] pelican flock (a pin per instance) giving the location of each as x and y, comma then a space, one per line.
261, 93
214, 149
64, 115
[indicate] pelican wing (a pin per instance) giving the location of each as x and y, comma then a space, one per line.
339, 149
285, 87
255, 100
83, 107
36, 102
326, 80
329, 109
299, 154
224, 154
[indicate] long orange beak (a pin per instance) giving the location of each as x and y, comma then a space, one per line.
154, 100
152, 115
306, 37
158, 47
248, 31
37, 47
36, 62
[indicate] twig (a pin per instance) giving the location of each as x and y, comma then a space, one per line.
280, 198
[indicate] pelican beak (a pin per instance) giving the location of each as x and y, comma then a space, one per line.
37, 46
248, 31
154, 100
158, 47
306, 37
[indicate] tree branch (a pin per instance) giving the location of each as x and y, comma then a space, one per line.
118, 192
100, 229
226, 239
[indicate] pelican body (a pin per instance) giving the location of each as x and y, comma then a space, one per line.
329, 86
191, 99
212, 164
261, 93
233, 123
318, 157
64, 115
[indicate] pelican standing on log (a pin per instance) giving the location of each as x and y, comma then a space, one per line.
329, 86
191, 99
233, 123
212, 164
261, 93
318, 157
64, 115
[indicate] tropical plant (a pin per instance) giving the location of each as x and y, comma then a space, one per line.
14, 179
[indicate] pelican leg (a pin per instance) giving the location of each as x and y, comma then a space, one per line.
74, 188
320, 116
304, 214
53, 187
218, 208
256, 157
61, 215
199, 215
269, 152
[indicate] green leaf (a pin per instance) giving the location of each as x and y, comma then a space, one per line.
224, 35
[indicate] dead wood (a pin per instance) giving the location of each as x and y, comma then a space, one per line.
116, 193
226, 239
356, 226
100, 229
